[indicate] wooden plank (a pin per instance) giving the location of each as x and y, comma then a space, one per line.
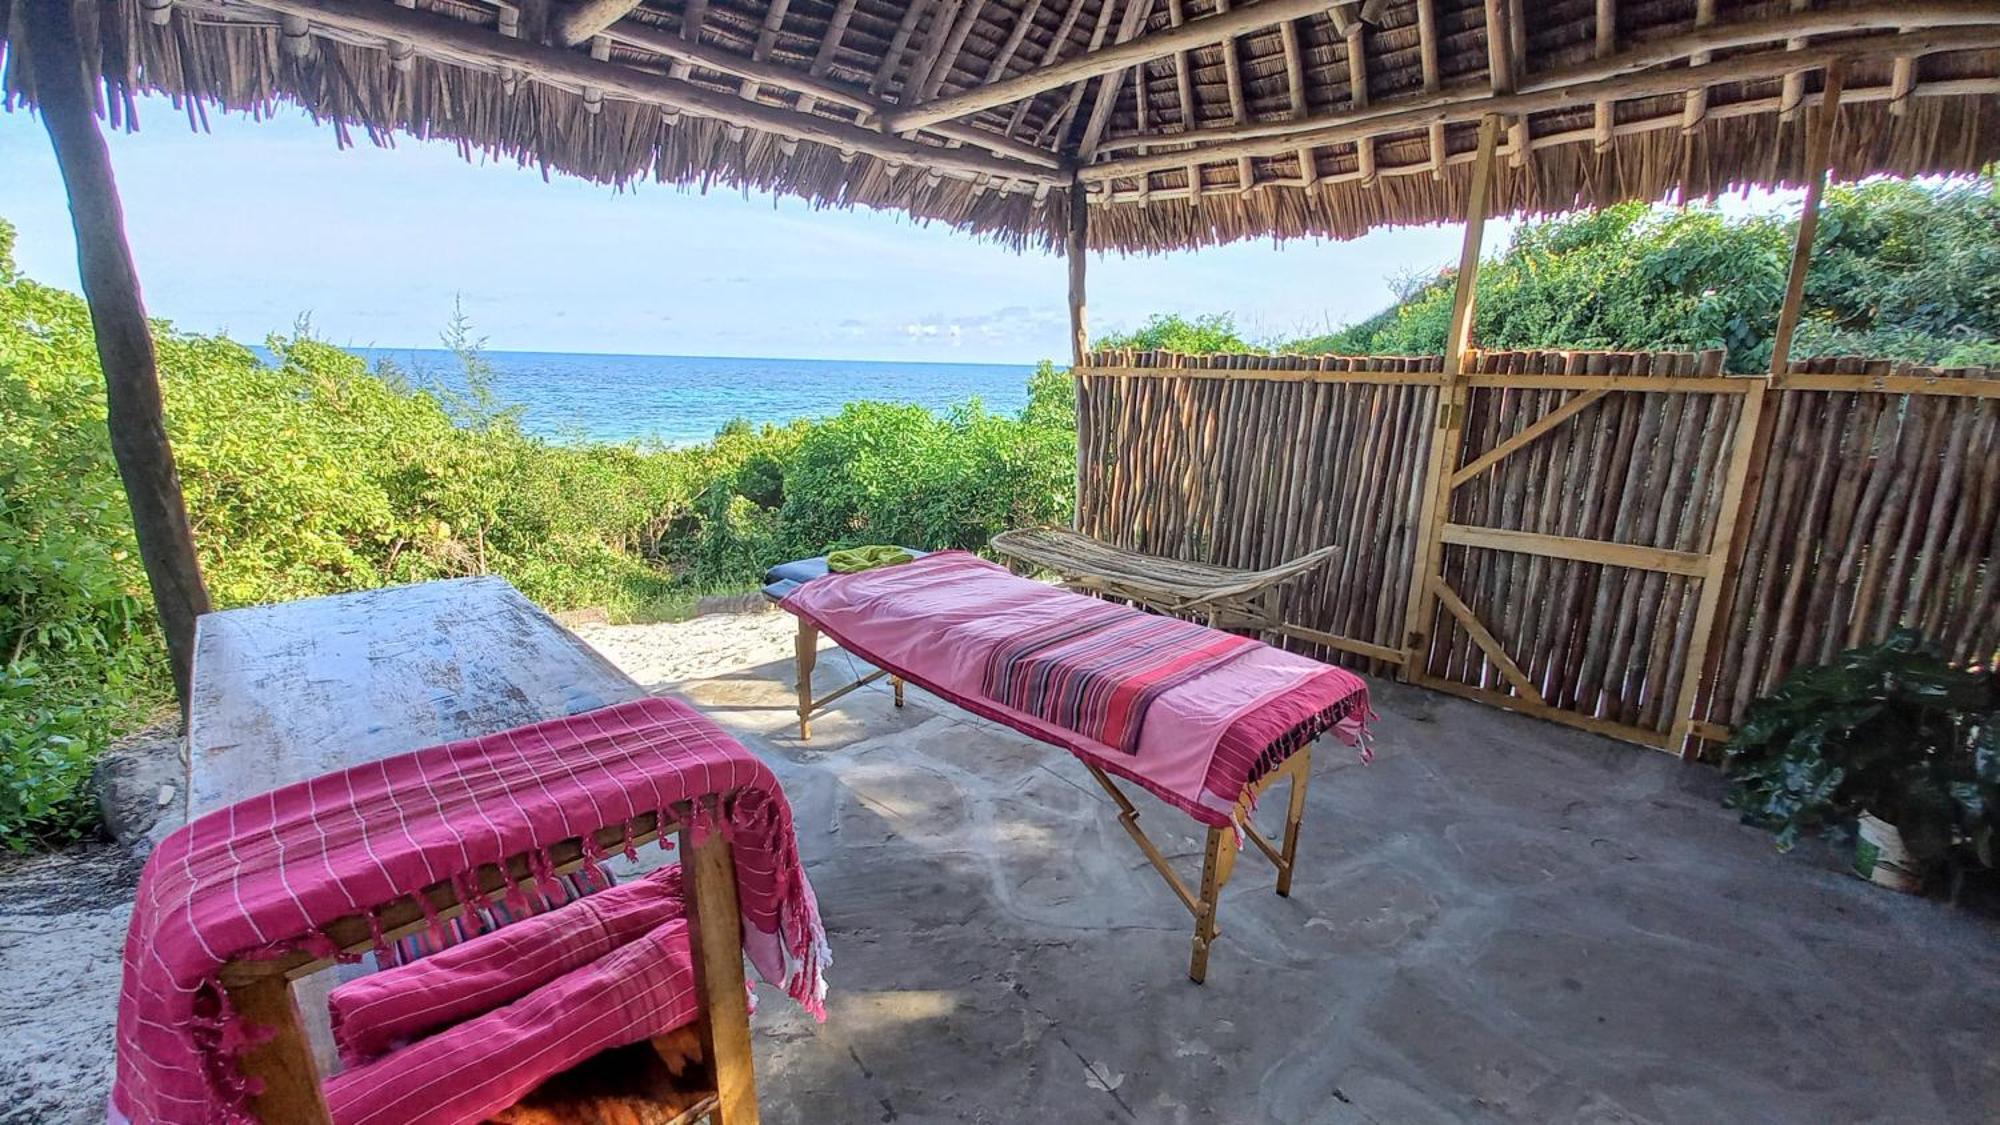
1743, 486
1484, 638
715, 932
1583, 550
1506, 702
282, 1064
1451, 399
1890, 385
1645, 384
1345, 644
1383, 376
1076, 245
1527, 436
288, 692
134, 412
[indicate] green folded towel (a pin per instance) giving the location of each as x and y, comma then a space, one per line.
865, 558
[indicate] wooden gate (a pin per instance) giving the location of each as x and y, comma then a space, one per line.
1580, 535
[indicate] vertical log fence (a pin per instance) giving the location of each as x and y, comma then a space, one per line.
1586, 494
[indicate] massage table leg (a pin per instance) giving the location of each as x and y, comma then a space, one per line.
1218, 860
805, 652
1300, 765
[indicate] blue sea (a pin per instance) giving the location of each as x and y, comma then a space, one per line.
684, 400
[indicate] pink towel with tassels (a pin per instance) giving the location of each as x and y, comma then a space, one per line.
260, 878
377, 1012
466, 1073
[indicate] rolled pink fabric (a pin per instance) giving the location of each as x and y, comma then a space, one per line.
466, 1073
377, 1012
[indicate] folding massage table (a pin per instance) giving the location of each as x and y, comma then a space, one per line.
401, 761
1204, 720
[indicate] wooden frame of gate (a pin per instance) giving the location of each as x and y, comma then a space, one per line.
1715, 569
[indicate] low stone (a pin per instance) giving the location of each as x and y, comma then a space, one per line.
141, 784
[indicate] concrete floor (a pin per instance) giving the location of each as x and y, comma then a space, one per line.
1499, 919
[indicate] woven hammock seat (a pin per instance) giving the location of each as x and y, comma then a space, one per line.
1229, 598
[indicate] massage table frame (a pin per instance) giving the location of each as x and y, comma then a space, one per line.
261, 990
291, 691
1218, 854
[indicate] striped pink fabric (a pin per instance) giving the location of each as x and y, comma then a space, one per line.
376, 1013
937, 621
261, 877
464, 1074
1098, 674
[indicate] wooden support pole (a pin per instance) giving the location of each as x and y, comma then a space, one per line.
1450, 406
1076, 242
282, 1064
715, 932
1743, 486
134, 411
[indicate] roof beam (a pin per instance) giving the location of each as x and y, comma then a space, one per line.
463, 43
575, 26
1551, 91
1876, 17
1049, 53
692, 52
1195, 33
1137, 12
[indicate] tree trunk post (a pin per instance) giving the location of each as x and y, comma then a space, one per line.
1076, 241
134, 414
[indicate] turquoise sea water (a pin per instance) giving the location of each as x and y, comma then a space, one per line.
682, 400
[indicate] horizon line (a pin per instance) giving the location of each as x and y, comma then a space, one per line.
482, 350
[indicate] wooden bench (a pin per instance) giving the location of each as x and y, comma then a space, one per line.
288, 692
1225, 597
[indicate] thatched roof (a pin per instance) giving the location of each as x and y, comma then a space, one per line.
1187, 121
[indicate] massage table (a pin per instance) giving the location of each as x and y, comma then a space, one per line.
1240, 719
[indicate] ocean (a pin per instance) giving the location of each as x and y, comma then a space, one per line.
684, 400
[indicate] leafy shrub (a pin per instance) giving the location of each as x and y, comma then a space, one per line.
1171, 332
313, 474
1891, 729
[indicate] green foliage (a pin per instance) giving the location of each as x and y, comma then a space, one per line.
1892, 730
313, 474
1171, 332
1900, 270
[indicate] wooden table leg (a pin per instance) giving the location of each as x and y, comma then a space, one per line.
283, 1064
1295, 812
715, 930
1216, 863
897, 683
805, 654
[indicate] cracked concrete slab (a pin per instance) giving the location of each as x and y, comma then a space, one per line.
1497, 920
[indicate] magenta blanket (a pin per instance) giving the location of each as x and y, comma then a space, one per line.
377, 1012
938, 622
259, 878
466, 1073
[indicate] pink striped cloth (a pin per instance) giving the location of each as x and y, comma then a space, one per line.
373, 1014
260, 878
465, 1074
938, 621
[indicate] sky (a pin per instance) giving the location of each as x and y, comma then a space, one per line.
255, 224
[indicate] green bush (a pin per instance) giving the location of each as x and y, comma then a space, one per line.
314, 474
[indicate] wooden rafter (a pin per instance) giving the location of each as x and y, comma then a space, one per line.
942, 71
1022, 25
1049, 53
829, 47
1794, 89
1194, 33
1184, 89
767, 36
1695, 108
1058, 123
1239, 111
575, 26
1607, 45
1551, 92
1357, 90
1295, 92
813, 87
938, 36
898, 42
464, 43
1427, 49
1137, 12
